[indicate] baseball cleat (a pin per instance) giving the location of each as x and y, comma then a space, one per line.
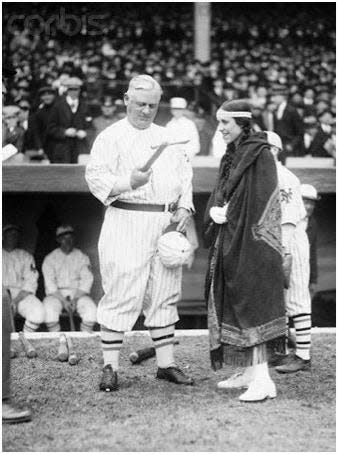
277, 359
235, 381
294, 364
108, 381
13, 415
259, 390
174, 375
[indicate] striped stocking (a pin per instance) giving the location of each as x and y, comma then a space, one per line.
302, 323
163, 339
111, 343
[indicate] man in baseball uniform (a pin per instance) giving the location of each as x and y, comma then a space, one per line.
20, 278
68, 280
295, 243
140, 206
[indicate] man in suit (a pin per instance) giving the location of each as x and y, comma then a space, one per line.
316, 135
41, 118
68, 122
287, 123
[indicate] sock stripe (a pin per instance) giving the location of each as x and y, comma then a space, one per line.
110, 331
303, 329
168, 336
108, 342
296, 317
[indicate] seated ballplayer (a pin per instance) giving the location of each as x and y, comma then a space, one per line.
68, 280
296, 244
20, 279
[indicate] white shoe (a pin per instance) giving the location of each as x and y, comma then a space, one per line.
259, 390
235, 381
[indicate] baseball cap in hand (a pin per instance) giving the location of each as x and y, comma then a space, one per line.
173, 247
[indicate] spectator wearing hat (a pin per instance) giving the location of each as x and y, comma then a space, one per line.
68, 124
317, 134
107, 117
310, 132
20, 279
40, 120
182, 128
310, 198
26, 122
287, 123
68, 281
13, 133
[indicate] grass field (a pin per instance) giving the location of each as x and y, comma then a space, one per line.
71, 414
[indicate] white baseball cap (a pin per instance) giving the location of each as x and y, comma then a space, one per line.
178, 103
309, 192
174, 249
274, 139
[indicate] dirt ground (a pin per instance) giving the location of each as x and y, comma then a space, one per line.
71, 414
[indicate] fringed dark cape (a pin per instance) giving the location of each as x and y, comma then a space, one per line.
244, 283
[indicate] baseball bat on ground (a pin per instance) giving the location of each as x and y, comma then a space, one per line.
72, 356
28, 347
138, 356
158, 152
63, 348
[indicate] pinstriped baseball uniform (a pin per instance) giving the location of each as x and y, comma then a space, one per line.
133, 278
298, 300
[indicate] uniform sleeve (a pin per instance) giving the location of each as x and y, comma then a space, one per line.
86, 276
291, 202
185, 200
100, 175
49, 276
30, 274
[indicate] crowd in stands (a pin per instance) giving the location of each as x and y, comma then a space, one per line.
253, 50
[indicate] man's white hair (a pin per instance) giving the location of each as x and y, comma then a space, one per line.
145, 83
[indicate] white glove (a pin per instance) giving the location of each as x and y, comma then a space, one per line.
218, 214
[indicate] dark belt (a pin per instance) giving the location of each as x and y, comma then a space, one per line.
171, 207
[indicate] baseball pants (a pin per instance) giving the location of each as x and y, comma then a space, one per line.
85, 307
30, 308
133, 277
298, 299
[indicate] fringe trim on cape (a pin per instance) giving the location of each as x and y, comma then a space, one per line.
246, 356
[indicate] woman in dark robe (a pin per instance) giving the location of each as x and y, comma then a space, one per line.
244, 283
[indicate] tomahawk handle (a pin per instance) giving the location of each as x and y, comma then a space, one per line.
158, 153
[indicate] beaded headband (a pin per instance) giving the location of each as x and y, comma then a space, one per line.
226, 115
